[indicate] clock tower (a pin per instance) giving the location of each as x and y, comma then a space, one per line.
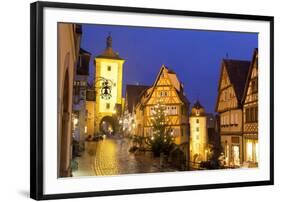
109, 68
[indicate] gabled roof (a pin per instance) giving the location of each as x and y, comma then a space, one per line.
133, 93
180, 92
237, 71
255, 54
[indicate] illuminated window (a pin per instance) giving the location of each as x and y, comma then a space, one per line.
249, 151
167, 109
173, 110
227, 153
235, 155
257, 152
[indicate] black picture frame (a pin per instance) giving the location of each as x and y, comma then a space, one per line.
37, 99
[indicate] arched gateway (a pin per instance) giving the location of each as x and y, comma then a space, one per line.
107, 125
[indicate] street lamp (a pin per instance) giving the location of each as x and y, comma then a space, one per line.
105, 87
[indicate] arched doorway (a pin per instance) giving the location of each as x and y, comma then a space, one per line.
107, 125
65, 134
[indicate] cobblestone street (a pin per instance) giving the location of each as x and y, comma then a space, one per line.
111, 157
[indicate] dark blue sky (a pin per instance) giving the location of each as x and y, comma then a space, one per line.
194, 55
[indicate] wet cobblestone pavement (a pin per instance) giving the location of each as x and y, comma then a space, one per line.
111, 157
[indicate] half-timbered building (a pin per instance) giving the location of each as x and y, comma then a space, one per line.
166, 90
231, 87
250, 113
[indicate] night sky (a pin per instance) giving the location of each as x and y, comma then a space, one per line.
194, 55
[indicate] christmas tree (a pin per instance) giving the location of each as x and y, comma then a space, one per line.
161, 140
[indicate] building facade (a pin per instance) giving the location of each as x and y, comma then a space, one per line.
167, 91
90, 110
132, 97
198, 134
250, 113
232, 81
79, 97
109, 67
69, 36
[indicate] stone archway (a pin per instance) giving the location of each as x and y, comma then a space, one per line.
65, 136
107, 125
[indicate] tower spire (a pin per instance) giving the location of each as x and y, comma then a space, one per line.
109, 41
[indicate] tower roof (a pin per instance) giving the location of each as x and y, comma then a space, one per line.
197, 109
109, 52
197, 105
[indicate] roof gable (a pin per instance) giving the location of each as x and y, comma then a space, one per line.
233, 76
165, 79
133, 93
253, 72
237, 71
